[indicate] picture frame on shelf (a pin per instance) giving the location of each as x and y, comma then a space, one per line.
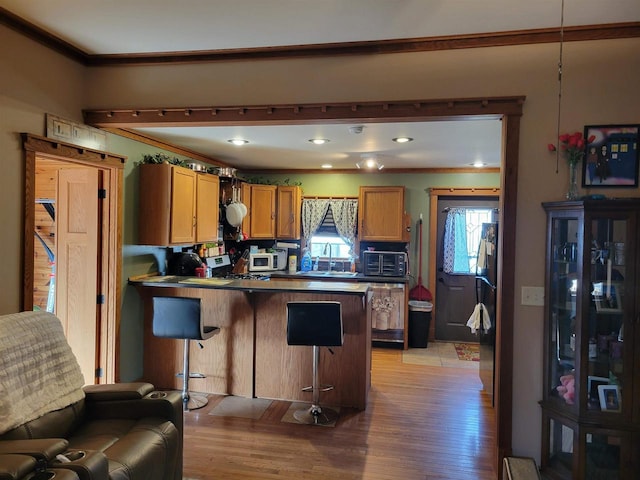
608, 299
611, 158
593, 383
609, 396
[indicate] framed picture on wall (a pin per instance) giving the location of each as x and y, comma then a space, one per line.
611, 157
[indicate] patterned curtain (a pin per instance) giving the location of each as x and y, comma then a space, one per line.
456, 257
313, 212
345, 216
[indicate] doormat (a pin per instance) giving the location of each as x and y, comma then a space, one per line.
468, 351
289, 418
241, 407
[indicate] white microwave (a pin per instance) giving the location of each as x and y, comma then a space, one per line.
264, 262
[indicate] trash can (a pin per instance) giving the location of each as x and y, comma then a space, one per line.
419, 321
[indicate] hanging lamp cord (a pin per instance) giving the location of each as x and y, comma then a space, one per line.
560, 83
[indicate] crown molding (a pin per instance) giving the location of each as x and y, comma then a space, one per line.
405, 45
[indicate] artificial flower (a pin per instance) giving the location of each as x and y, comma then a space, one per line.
572, 145
384, 304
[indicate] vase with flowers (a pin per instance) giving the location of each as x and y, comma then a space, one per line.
572, 144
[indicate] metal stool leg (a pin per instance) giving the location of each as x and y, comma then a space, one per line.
189, 402
315, 415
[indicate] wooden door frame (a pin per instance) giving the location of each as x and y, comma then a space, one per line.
110, 261
507, 109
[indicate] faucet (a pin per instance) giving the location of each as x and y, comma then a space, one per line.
328, 247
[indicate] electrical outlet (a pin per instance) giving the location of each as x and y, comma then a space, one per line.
533, 296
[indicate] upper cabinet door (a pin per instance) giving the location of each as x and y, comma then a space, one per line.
183, 205
263, 211
381, 214
207, 208
288, 216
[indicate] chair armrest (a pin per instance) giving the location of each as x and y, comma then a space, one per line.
42, 449
166, 405
117, 391
15, 467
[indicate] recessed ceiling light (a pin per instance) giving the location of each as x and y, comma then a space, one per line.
403, 139
238, 141
326, 165
478, 164
318, 141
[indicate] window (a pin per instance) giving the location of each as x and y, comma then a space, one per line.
319, 247
333, 223
463, 229
327, 237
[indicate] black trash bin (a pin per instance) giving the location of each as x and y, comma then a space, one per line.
419, 321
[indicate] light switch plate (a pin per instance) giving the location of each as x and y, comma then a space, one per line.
533, 296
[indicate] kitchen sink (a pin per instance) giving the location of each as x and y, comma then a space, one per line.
328, 274
340, 274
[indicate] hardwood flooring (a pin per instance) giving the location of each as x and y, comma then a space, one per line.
422, 422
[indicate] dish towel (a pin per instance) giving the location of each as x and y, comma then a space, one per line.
479, 319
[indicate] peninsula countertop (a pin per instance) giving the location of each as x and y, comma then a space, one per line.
250, 355
309, 285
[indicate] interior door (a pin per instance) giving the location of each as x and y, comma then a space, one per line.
455, 293
77, 263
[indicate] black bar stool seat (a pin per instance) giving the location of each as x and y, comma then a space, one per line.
180, 318
316, 324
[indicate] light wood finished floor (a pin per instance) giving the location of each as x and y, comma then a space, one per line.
422, 422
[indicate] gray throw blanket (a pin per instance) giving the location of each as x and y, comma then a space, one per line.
38, 371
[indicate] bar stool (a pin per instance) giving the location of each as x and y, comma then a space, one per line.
316, 324
180, 318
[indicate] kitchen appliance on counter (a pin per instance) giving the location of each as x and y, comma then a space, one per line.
384, 264
183, 264
268, 261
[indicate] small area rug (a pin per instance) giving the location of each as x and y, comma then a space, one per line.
468, 351
289, 418
241, 407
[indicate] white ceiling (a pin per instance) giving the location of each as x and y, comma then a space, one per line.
151, 26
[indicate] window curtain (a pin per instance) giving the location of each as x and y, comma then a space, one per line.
345, 216
456, 257
313, 212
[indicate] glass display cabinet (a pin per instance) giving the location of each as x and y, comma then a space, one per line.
591, 397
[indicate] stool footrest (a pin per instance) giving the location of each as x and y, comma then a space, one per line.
191, 375
323, 388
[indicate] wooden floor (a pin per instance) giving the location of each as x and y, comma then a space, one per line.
421, 422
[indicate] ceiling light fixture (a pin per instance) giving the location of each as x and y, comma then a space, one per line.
403, 139
478, 164
319, 141
356, 129
370, 162
327, 166
238, 142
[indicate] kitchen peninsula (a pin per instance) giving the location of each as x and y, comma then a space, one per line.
250, 356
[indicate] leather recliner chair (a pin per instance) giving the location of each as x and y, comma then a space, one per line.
124, 431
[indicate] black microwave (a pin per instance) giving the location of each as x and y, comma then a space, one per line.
384, 264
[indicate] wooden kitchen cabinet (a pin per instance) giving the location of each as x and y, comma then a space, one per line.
207, 204
169, 212
591, 396
289, 209
381, 216
262, 221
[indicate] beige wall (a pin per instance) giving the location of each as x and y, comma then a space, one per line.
34, 81
600, 87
